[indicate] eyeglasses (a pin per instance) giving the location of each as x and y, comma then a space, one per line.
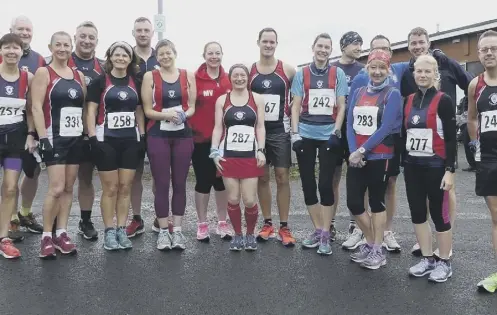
484, 50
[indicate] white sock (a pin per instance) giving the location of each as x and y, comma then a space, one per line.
49, 234
177, 229
59, 232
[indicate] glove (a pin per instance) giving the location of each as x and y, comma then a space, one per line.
296, 140
93, 143
474, 146
439, 56
45, 148
335, 140
142, 144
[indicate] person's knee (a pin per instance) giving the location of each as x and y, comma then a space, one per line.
264, 179
218, 184
281, 176
249, 201
125, 188
356, 207
10, 190
441, 225
233, 199
377, 205
326, 194
110, 189
56, 189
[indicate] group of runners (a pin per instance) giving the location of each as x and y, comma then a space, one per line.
72, 112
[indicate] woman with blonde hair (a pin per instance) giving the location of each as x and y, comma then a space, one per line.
429, 158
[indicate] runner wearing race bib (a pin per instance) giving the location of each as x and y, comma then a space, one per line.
16, 132
211, 81
169, 100
271, 78
319, 92
58, 96
116, 146
431, 144
238, 152
374, 117
482, 119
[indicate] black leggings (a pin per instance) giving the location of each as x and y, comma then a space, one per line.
373, 177
307, 164
422, 182
205, 170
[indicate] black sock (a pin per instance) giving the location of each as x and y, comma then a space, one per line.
352, 222
332, 221
85, 215
108, 229
283, 224
431, 259
137, 217
268, 222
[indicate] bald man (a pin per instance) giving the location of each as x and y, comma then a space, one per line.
30, 61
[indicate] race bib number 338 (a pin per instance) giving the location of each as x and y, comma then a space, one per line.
321, 101
71, 122
121, 120
240, 138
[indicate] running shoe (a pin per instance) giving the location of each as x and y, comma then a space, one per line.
237, 243
390, 243
8, 250
15, 233
324, 245
178, 240
135, 228
333, 233
488, 284
285, 237
203, 232
87, 230
442, 272
354, 240
64, 244
123, 239
110, 240
250, 242
423, 268
361, 254
29, 222
266, 233
312, 241
156, 226
224, 230
47, 250
164, 240
375, 259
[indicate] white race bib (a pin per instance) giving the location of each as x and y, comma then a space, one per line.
488, 121
420, 142
11, 110
121, 120
271, 107
167, 125
71, 122
240, 138
365, 120
321, 101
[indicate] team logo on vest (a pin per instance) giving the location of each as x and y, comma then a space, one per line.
25, 68
415, 119
122, 95
492, 99
266, 84
87, 80
171, 93
319, 84
239, 115
72, 93
348, 78
9, 90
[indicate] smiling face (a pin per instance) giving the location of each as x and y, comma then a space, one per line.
166, 56
418, 45
23, 28
487, 52
377, 71
11, 53
268, 43
85, 41
61, 47
239, 78
213, 55
353, 51
120, 59
143, 33
322, 49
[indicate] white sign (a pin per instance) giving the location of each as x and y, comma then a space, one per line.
160, 23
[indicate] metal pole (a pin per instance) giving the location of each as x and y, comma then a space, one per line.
161, 11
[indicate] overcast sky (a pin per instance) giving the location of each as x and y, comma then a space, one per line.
235, 24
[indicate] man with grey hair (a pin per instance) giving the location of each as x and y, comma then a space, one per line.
30, 61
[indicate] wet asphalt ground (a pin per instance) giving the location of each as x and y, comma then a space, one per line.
208, 279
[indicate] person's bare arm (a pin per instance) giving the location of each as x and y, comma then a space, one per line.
38, 90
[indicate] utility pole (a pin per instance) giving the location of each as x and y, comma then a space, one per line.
160, 20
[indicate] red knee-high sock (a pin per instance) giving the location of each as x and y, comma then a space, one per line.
235, 214
251, 215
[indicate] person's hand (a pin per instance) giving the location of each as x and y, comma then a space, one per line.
296, 140
181, 117
334, 142
45, 148
30, 144
261, 159
474, 145
356, 159
215, 155
447, 181
171, 115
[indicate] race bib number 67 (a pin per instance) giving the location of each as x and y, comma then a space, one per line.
271, 107
71, 122
240, 138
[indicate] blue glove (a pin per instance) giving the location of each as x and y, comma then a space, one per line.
182, 117
334, 142
474, 145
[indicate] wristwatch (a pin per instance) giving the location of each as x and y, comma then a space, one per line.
262, 150
451, 169
361, 150
32, 133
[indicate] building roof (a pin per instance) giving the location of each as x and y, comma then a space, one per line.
464, 30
